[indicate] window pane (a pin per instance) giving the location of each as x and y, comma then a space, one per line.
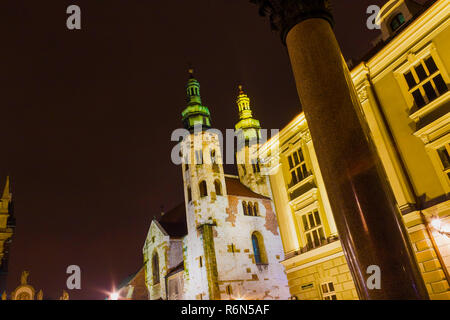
324, 288
410, 79
291, 165
440, 84
294, 177
311, 220
321, 234
418, 98
333, 297
331, 286
296, 160
300, 174
429, 90
302, 158
305, 223
309, 239
317, 216
316, 238
432, 68
420, 72
444, 156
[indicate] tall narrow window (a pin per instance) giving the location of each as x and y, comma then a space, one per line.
199, 156
189, 194
258, 248
256, 167
425, 82
203, 189
244, 170
444, 156
297, 167
155, 268
218, 187
213, 157
244, 208
256, 209
250, 209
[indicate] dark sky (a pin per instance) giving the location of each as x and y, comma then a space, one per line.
86, 118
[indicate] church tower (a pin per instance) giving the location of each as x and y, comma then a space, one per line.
249, 136
224, 241
205, 194
6, 231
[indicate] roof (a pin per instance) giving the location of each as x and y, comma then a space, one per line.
380, 45
236, 188
137, 281
176, 269
174, 221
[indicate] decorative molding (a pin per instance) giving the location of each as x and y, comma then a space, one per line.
286, 14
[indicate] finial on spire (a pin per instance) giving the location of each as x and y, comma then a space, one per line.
191, 72
7, 190
241, 89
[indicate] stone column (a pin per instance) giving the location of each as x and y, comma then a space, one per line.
364, 208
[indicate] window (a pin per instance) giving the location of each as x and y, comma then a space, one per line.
250, 209
244, 208
200, 261
229, 290
218, 187
328, 292
256, 167
297, 167
255, 209
155, 268
244, 169
398, 20
259, 252
443, 153
189, 194
312, 226
425, 83
203, 189
213, 157
199, 156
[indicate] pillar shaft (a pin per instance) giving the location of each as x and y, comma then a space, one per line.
367, 218
364, 208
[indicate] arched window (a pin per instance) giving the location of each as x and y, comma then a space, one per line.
256, 209
397, 21
213, 157
203, 189
244, 208
250, 209
259, 251
189, 194
155, 268
218, 187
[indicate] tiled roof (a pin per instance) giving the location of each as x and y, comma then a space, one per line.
174, 221
236, 188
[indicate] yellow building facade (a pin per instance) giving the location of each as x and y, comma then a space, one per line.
402, 86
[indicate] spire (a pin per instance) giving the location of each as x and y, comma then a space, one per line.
195, 114
7, 190
249, 125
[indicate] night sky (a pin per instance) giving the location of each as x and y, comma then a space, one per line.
86, 118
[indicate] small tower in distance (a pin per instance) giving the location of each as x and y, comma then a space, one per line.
7, 224
249, 134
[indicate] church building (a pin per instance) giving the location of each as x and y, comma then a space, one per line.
223, 241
